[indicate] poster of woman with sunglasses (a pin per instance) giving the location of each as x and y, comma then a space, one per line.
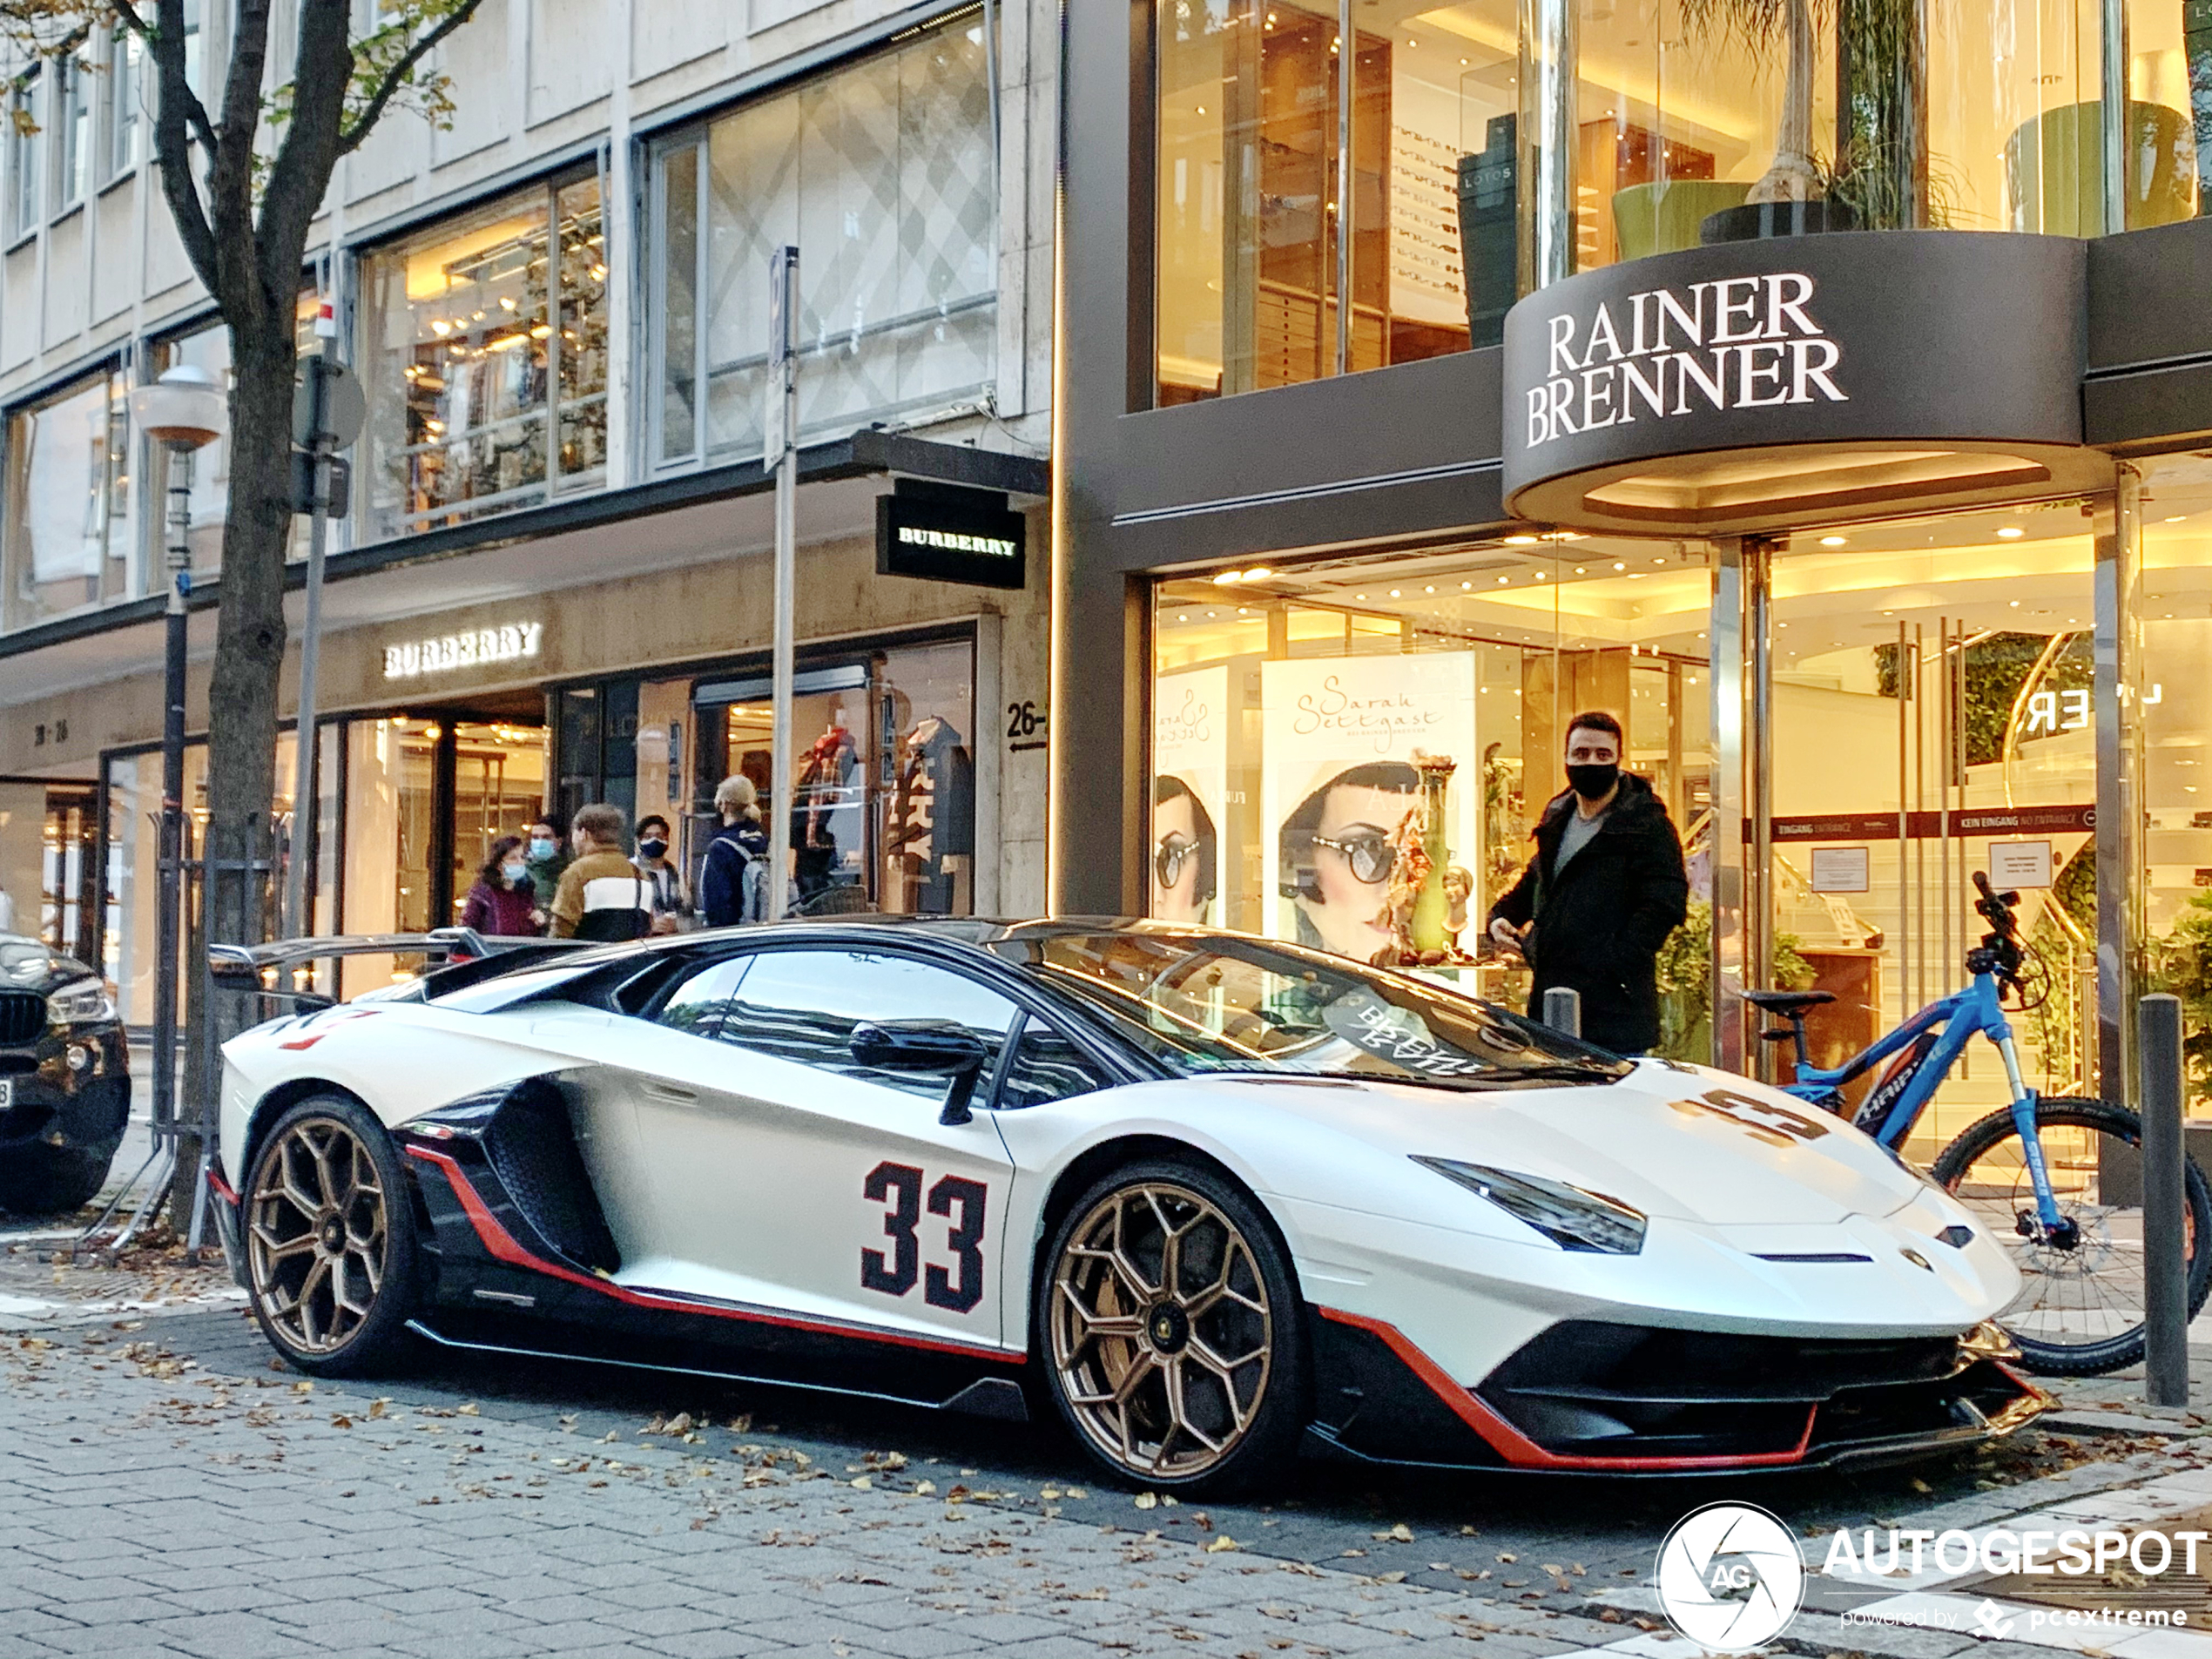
1337, 779
1189, 785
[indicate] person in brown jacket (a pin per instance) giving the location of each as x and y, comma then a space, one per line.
602, 895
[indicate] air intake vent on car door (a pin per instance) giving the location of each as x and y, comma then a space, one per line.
23, 1016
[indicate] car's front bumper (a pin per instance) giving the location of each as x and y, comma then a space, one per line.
1591, 1396
69, 1088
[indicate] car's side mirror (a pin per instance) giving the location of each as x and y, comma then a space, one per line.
926, 1046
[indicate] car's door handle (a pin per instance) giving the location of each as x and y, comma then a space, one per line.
671, 1093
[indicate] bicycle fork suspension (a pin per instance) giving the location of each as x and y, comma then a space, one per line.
2047, 1220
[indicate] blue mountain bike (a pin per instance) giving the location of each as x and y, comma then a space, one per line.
2058, 1181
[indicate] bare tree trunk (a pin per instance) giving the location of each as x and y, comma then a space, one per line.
1793, 176
242, 694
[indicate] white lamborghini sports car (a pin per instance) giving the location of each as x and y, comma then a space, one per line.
1210, 1199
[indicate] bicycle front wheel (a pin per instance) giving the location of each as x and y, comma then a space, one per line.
2081, 1307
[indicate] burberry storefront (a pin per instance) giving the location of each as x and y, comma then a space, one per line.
1835, 430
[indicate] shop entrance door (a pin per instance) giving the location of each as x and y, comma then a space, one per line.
1928, 714
426, 796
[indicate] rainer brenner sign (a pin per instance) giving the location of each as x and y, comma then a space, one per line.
1796, 380
475, 647
1742, 342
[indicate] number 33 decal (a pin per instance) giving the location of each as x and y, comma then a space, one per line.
959, 1288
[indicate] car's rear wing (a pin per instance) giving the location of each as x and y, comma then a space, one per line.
251, 968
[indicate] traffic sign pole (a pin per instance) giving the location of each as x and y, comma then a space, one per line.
327, 414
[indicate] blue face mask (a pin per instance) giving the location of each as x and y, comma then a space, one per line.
540, 847
514, 872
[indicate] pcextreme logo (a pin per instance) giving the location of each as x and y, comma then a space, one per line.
1729, 1577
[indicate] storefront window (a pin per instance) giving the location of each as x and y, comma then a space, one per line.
477, 334
67, 539
2176, 612
881, 176
883, 791
1932, 718
1251, 117
1704, 121
1321, 732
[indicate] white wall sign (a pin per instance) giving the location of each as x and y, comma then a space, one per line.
2019, 864
511, 642
1840, 869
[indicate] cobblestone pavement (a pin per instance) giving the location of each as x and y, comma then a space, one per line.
165, 1488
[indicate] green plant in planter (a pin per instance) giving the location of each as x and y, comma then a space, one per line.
1686, 982
2182, 963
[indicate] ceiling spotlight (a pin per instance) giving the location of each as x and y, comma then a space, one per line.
1619, 564
1833, 541
1228, 576
1521, 540
1258, 573
2011, 533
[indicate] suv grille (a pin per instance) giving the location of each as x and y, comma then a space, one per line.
23, 1016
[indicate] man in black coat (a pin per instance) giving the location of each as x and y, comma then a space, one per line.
1606, 887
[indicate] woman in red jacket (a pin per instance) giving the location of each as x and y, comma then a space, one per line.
502, 900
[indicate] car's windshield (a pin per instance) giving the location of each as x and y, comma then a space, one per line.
1198, 1002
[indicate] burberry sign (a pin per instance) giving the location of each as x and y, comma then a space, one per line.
1741, 342
510, 642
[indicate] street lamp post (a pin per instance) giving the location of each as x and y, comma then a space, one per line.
183, 412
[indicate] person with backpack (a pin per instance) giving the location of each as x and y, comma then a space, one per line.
602, 895
733, 879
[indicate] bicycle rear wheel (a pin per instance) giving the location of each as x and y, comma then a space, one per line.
2081, 1307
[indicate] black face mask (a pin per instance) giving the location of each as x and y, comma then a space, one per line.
1594, 783
652, 849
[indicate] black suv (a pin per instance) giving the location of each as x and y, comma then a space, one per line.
65, 1079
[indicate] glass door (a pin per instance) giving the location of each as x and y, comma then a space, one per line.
1930, 713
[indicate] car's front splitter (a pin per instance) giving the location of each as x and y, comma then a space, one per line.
1585, 1399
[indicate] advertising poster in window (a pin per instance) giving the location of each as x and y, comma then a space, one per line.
1371, 771
1189, 793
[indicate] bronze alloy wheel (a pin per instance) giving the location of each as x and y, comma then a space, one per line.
317, 1234
1161, 1331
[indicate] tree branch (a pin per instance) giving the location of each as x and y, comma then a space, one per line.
351, 136
172, 145
230, 171
300, 173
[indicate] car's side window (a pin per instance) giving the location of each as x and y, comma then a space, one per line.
1046, 1067
705, 1003
803, 1005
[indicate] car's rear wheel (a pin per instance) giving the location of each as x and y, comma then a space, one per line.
49, 1180
329, 1239
1171, 1331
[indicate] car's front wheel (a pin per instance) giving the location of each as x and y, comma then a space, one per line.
329, 1239
1171, 1331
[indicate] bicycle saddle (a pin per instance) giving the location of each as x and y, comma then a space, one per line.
1788, 1004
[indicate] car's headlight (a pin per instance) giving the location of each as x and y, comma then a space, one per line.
1570, 1217
87, 1002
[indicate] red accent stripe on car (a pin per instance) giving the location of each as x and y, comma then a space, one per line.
1517, 1448
504, 1246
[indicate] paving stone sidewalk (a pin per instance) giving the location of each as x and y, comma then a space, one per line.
148, 1507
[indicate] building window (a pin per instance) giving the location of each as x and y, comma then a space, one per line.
1249, 173
73, 84
66, 542
26, 153
881, 176
126, 60
485, 362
